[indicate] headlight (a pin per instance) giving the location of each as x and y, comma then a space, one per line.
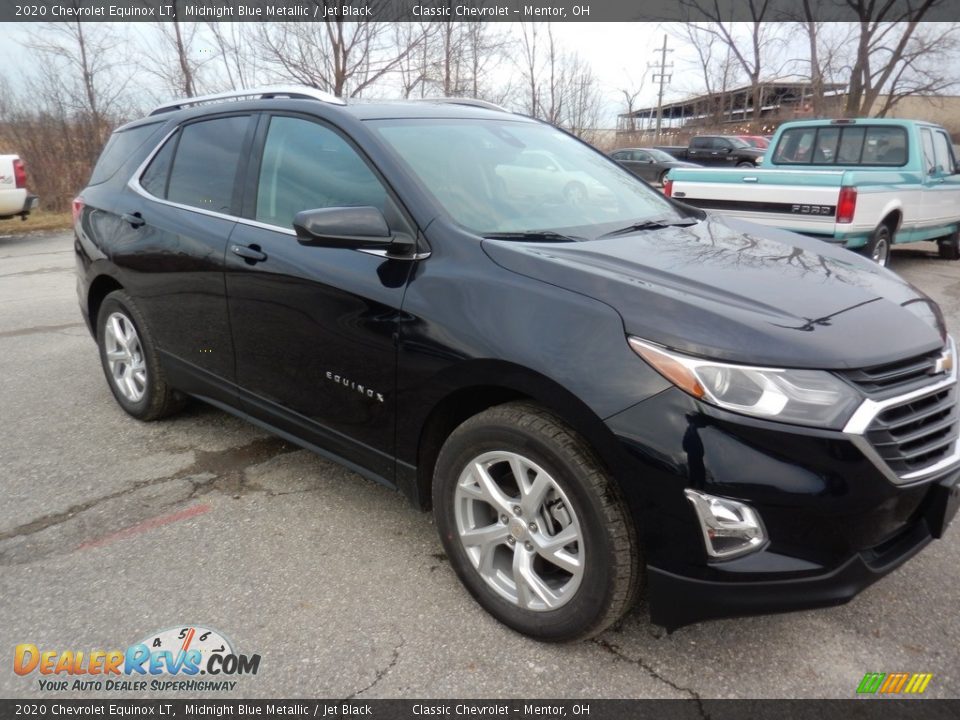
803, 397
758, 160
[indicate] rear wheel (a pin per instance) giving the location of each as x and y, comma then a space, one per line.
878, 246
949, 247
129, 360
533, 525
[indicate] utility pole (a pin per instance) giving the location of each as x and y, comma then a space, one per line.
660, 73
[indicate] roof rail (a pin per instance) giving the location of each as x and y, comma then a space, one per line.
471, 102
300, 92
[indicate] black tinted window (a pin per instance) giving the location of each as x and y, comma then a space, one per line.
206, 163
701, 143
842, 145
154, 178
119, 148
307, 166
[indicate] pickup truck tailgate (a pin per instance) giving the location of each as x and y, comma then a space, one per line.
804, 201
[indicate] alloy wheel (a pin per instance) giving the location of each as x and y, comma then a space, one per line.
128, 369
519, 530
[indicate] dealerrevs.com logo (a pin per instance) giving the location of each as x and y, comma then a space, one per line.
169, 660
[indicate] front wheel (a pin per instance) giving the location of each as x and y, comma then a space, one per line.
533, 525
878, 246
746, 164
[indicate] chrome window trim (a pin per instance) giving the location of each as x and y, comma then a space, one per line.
134, 184
858, 424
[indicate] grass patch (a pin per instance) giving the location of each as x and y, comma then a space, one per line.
37, 220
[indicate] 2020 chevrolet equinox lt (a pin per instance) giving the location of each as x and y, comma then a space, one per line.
597, 389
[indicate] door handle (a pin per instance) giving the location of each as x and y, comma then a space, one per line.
135, 219
251, 253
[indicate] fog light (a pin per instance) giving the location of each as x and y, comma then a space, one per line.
730, 528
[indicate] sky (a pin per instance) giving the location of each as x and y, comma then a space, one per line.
619, 54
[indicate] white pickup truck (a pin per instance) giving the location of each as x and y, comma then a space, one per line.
14, 198
865, 183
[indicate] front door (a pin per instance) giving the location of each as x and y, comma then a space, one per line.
314, 328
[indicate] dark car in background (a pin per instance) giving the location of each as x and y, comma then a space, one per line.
649, 164
714, 150
593, 396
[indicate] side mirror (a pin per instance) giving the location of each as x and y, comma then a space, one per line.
349, 227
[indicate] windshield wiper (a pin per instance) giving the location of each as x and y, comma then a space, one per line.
649, 225
533, 236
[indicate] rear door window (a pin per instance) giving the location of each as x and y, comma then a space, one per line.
204, 168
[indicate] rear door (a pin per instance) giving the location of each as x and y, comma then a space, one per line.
702, 151
175, 224
314, 327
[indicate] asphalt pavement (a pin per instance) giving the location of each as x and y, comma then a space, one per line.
112, 529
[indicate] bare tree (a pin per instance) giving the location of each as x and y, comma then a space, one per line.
235, 49
898, 54
343, 58
172, 56
752, 50
715, 61
83, 77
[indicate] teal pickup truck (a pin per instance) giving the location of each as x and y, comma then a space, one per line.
864, 183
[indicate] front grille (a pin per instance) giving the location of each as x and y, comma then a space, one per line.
917, 434
895, 378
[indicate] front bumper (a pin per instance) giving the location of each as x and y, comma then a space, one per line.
836, 522
676, 600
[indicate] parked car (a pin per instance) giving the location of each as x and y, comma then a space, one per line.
649, 163
865, 184
14, 197
758, 141
722, 150
592, 397
539, 175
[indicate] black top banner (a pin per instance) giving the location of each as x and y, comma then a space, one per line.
463, 10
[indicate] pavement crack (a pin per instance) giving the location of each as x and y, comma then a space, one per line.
221, 470
39, 330
647, 668
381, 673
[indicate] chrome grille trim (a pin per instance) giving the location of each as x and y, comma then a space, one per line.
872, 434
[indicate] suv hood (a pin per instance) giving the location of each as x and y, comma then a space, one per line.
731, 290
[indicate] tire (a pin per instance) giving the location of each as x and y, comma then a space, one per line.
746, 164
594, 577
129, 360
575, 193
663, 178
949, 247
878, 246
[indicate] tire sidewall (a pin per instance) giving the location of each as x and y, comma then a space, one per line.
588, 606
119, 302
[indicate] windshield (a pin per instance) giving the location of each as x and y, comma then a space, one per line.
511, 177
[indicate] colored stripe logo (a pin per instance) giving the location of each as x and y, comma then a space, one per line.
894, 683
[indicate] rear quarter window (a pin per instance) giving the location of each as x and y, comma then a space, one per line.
121, 146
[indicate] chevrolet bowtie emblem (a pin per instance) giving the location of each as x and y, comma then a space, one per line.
944, 363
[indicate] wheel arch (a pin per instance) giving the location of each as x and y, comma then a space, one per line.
486, 384
101, 286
